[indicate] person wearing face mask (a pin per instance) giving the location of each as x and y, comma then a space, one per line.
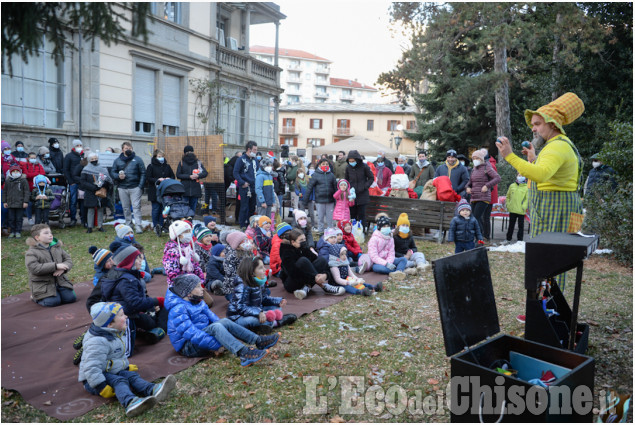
71, 162
8, 159
383, 174
191, 171
94, 177
325, 185
31, 169
307, 200
516, 202
292, 174
44, 159
381, 249
483, 179
453, 169
15, 198
598, 174
123, 236
129, 174
57, 156
381, 158
20, 153
361, 179
340, 165
238, 247
157, 171
405, 247
264, 188
245, 171
179, 255
420, 173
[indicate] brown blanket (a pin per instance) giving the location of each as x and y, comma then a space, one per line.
37, 346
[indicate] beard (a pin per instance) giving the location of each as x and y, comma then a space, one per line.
537, 141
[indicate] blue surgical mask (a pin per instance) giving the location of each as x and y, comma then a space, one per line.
385, 230
258, 157
160, 159
33, 160
143, 265
128, 238
380, 164
352, 164
20, 148
47, 155
521, 180
260, 281
7, 152
404, 229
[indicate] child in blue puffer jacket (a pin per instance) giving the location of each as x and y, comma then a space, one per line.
252, 305
464, 228
195, 331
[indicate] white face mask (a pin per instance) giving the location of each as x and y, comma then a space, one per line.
404, 229
477, 162
16, 175
56, 145
268, 169
301, 175
596, 164
245, 246
385, 231
462, 163
521, 180
7, 152
79, 149
252, 154
302, 223
187, 237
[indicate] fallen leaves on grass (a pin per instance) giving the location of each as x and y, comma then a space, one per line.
337, 419
374, 353
433, 381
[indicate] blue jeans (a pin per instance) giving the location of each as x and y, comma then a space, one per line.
463, 246
352, 290
29, 213
247, 205
157, 217
400, 262
5, 223
62, 296
227, 333
192, 201
73, 201
252, 322
126, 384
211, 193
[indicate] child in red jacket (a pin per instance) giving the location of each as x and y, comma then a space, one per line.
353, 248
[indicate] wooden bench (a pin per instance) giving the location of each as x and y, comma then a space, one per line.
421, 213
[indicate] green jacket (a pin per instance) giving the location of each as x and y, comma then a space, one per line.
43, 204
292, 173
516, 198
340, 168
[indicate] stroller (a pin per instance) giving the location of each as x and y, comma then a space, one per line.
61, 201
174, 206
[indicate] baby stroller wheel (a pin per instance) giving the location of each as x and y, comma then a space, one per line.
158, 229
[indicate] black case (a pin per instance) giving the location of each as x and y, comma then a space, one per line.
468, 316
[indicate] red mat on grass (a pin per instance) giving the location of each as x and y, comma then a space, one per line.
37, 346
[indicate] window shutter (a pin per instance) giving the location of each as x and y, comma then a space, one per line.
282, 141
144, 95
171, 100
322, 142
320, 123
295, 140
348, 123
292, 122
388, 126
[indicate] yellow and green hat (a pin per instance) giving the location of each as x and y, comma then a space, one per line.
562, 111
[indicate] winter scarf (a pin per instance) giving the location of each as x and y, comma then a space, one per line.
98, 172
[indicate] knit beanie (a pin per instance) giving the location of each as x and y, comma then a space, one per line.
15, 168
218, 249
100, 256
330, 232
122, 230
76, 142
187, 149
5, 145
208, 218
177, 228
40, 178
383, 221
234, 239
485, 153
403, 221
53, 140
19, 142
478, 154
265, 162
463, 204
184, 284
262, 220
282, 228
104, 313
338, 231
125, 257
298, 214
253, 221
43, 150
342, 225
201, 231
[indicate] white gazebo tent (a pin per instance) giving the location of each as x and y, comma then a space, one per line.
361, 144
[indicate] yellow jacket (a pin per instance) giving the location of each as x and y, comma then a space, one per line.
555, 168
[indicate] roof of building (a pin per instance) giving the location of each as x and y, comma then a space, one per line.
348, 107
290, 53
344, 82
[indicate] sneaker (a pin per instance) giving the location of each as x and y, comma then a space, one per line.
302, 293
251, 356
155, 335
31, 221
162, 390
157, 230
89, 230
263, 329
18, 235
410, 271
101, 229
77, 358
271, 284
77, 344
379, 287
138, 229
11, 235
361, 268
287, 319
268, 341
367, 292
333, 290
423, 266
138, 405
398, 275
73, 223
521, 318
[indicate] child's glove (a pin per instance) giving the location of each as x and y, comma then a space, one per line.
142, 274
107, 392
270, 315
391, 267
133, 367
480, 243
161, 300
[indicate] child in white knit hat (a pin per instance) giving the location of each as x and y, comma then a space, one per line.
179, 256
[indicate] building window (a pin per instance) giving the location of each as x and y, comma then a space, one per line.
294, 76
261, 119
293, 99
144, 100
171, 104
315, 142
315, 123
289, 141
232, 114
411, 125
307, 76
172, 11
392, 125
370, 125
35, 93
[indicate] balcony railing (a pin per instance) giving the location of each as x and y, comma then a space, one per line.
321, 94
322, 70
245, 64
288, 130
342, 131
346, 96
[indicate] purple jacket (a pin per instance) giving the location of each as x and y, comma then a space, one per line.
483, 175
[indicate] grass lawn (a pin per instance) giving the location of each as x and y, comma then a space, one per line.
393, 339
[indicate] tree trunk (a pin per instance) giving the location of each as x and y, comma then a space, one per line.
555, 70
503, 124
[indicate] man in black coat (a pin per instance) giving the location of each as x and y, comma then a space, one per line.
71, 163
361, 178
129, 174
57, 156
325, 185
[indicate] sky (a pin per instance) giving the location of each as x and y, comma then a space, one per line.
355, 35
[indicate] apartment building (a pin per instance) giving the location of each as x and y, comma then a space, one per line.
304, 126
134, 91
305, 78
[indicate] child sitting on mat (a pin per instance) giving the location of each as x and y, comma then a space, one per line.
263, 238
105, 369
343, 274
405, 246
195, 331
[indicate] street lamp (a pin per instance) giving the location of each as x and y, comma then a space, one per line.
398, 141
